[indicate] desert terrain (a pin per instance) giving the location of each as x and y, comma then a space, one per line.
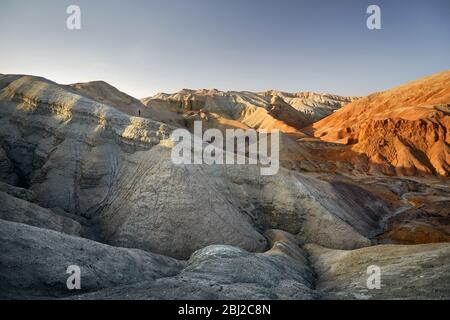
86, 179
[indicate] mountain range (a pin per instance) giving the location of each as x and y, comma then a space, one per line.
86, 178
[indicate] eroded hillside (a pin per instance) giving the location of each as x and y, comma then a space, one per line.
82, 172
402, 131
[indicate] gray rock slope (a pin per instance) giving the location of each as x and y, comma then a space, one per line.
90, 159
221, 272
18, 210
73, 168
33, 263
226, 272
6, 169
407, 271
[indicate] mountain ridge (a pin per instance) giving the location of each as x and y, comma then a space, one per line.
85, 182
272, 109
404, 130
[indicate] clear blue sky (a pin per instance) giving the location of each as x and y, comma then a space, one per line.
143, 47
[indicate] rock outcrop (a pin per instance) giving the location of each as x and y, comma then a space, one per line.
90, 159
84, 181
287, 112
402, 131
407, 272
103, 92
6, 169
34, 262
225, 272
18, 210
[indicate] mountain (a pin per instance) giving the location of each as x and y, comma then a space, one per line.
83, 179
314, 106
105, 93
404, 130
88, 159
288, 112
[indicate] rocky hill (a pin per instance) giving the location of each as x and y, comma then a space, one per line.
89, 159
404, 130
287, 112
82, 180
105, 93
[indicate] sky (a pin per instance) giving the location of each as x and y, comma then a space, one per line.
144, 47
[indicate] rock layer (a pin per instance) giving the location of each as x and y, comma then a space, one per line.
407, 272
34, 263
225, 272
403, 131
287, 112
76, 164
89, 159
